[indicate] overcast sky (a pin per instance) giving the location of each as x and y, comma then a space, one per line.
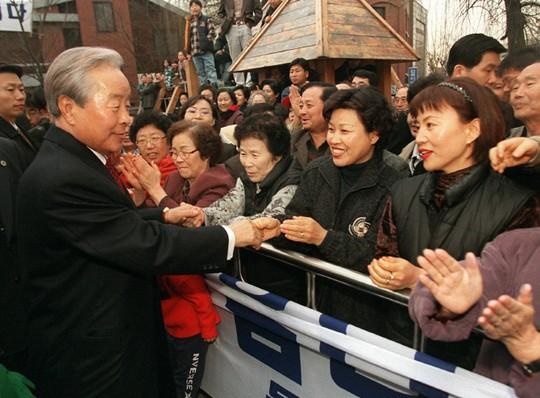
446, 21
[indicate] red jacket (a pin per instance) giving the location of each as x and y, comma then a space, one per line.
188, 310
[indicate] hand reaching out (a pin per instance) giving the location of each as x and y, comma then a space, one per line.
304, 230
185, 215
393, 273
513, 152
195, 221
268, 226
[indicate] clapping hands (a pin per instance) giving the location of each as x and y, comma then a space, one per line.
457, 288
511, 320
296, 99
140, 173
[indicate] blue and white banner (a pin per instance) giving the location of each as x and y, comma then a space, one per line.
273, 348
16, 15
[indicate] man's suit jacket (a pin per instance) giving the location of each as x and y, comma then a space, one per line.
92, 262
12, 314
251, 13
27, 150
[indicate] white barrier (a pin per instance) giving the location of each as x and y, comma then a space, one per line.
16, 16
270, 347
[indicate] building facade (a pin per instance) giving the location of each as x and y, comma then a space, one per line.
409, 19
144, 32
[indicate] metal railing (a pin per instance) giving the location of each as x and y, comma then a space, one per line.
317, 267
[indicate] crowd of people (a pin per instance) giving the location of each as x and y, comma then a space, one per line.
106, 215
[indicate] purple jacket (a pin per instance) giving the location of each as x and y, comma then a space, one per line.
206, 189
507, 263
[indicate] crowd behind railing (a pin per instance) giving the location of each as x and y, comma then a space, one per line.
391, 195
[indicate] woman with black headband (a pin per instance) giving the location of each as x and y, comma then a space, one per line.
460, 204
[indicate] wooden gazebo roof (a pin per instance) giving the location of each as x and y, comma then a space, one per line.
336, 29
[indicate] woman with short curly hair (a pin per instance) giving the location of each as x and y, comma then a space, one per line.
337, 206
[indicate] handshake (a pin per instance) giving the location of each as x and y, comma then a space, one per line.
247, 232
254, 232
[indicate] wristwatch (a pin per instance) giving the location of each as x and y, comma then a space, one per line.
531, 368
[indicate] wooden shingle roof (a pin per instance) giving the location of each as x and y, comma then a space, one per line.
311, 29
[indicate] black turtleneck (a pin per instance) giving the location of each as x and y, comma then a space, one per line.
350, 175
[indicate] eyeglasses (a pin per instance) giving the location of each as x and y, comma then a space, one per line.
152, 140
201, 112
182, 154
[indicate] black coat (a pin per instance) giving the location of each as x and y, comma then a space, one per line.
262, 271
27, 148
92, 259
12, 314
351, 224
318, 197
149, 94
477, 209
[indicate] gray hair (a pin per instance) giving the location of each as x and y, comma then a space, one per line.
255, 93
67, 74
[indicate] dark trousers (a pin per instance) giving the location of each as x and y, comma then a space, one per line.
188, 356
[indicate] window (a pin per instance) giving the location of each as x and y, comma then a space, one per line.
381, 11
72, 37
104, 14
69, 7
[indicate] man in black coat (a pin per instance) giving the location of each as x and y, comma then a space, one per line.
92, 258
148, 93
12, 97
12, 314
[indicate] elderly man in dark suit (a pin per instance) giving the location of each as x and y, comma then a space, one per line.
12, 314
12, 97
91, 256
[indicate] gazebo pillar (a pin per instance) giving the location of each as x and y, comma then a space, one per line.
326, 70
385, 77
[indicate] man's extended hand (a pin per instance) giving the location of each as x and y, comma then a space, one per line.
246, 234
268, 226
